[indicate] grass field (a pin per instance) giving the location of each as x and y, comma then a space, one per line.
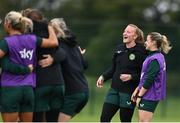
167, 111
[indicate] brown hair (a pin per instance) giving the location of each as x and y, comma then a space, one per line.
33, 14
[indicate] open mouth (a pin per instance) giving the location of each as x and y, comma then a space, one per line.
125, 37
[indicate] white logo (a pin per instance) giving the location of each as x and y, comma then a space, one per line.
132, 56
128, 103
141, 105
26, 54
119, 51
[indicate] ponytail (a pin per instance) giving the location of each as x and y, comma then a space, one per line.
161, 41
165, 45
26, 25
18, 22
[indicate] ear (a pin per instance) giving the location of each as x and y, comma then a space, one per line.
135, 37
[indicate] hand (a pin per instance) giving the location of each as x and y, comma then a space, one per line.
125, 77
138, 101
82, 50
30, 66
134, 95
47, 61
100, 82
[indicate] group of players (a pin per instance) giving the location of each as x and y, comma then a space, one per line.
34, 53
43, 67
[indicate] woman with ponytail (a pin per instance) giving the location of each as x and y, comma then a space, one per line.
152, 86
17, 97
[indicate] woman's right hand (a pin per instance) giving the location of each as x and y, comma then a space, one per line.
100, 82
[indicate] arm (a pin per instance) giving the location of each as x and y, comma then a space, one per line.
57, 57
3, 48
51, 41
105, 76
11, 67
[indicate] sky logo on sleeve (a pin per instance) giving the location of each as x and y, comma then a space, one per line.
26, 54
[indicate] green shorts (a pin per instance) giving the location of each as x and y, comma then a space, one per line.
48, 97
120, 99
17, 99
148, 105
74, 103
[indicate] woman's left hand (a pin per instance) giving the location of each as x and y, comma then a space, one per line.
138, 101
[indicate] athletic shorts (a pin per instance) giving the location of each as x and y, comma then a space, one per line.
17, 99
148, 105
120, 99
49, 97
74, 103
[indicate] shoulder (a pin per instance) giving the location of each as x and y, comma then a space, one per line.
119, 48
140, 48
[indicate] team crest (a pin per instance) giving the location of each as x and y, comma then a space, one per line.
132, 56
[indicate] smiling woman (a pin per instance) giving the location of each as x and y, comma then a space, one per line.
125, 74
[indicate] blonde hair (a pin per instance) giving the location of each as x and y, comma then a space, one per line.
17, 21
59, 26
139, 33
161, 41
28, 25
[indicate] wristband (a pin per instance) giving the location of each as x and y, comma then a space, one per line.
139, 96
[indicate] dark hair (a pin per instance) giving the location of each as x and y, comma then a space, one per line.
33, 14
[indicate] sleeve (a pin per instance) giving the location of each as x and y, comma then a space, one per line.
152, 71
39, 41
11, 67
4, 46
85, 62
108, 74
59, 55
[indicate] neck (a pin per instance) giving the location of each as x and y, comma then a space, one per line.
14, 32
154, 49
130, 44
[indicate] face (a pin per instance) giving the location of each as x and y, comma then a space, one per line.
149, 44
129, 34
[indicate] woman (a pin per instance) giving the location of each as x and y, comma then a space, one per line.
125, 73
49, 91
21, 49
76, 87
152, 86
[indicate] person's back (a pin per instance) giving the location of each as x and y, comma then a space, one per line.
24, 53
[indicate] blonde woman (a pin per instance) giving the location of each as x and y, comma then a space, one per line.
152, 86
17, 97
76, 87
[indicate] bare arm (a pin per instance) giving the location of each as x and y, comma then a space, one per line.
51, 41
2, 53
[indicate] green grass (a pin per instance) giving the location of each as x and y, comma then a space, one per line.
167, 110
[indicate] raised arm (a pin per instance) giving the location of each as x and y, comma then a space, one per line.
52, 41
